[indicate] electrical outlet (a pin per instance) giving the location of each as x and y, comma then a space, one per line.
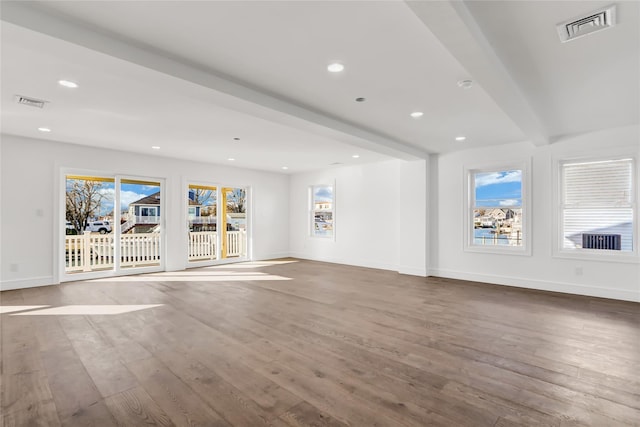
13, 268
40, 212
579, 271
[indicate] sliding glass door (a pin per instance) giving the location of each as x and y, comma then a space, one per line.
217, 224
112, 225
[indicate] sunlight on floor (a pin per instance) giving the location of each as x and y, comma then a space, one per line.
252, 264
227, 276
86, 310
202, 272
12, 308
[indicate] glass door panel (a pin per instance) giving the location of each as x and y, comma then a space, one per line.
202, 212
233, 223
88, 227
140, 226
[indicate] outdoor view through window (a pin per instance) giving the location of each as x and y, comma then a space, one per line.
497, 208
322, 211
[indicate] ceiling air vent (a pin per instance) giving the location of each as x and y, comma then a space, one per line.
593, 22
32, 102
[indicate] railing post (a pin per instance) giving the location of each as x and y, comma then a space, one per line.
86, 251
243, 243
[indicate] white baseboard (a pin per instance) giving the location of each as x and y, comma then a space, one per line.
353, 262
31, 282
275, 255
543, 285
403, 269
412, 271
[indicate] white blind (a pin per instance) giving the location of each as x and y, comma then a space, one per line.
598, 183
598, 199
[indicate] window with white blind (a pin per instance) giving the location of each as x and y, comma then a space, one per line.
598, 206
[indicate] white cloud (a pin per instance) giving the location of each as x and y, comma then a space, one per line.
509, 202
126, 197
324, 194
491, 178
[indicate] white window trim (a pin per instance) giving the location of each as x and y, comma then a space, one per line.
311, 212
469, 194
558, 250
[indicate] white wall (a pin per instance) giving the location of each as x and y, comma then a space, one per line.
541, 270
384, 214
380, 216
29, 177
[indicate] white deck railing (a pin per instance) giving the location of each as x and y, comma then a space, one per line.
138, 250
202, 245
236, 243
88, 252
91, 252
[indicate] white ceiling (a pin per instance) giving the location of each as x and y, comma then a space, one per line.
123, 106
191, 76
588, 84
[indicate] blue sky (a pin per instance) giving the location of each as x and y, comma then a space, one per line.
323, 194
498, 189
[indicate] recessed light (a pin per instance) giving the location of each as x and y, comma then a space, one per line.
231, 159
44, 129
336, 67
285, 167
417, 114
465, 84
460, 138
355, 156
68, 83
155, 147
361, 99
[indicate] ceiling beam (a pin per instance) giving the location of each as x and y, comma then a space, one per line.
231, 94
453, 24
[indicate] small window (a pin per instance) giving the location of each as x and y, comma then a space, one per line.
496, 218
322, 211
597, 207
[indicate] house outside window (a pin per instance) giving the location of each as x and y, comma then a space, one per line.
497, 210
322, 211
598, 208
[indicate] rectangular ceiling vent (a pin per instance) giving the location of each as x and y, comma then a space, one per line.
31, 102
593, 22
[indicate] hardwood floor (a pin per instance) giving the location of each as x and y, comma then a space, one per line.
315, 344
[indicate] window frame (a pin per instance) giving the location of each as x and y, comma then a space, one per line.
311, 214
469, 206
559, 251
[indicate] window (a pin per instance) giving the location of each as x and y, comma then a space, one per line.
496, 219
598, 207
322, 210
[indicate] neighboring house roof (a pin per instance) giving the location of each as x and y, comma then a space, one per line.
152, 199
498, 213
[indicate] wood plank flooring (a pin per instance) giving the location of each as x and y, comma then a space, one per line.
305, 343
